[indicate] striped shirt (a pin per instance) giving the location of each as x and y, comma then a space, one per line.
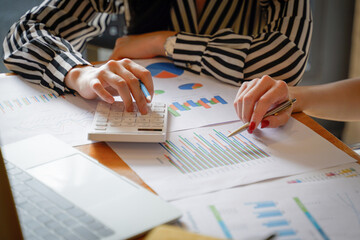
232, 40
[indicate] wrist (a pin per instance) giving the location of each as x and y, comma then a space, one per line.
163, 37
72, 77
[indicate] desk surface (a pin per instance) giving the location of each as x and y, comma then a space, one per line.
105, 155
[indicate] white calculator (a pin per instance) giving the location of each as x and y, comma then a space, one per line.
112, 123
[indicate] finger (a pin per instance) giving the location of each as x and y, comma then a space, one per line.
143, 74
98, 88
251, 98
238, 99
276, 121
118, 83
273, 97
121, 69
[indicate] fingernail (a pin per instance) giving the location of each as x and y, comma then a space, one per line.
251, 127
264, 123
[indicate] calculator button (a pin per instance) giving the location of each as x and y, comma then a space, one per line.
143, 120
158, 110
129, 120
143, 125
100, 128
157, 115
157, 120
128, 124
157, 124
129, 114
101, 119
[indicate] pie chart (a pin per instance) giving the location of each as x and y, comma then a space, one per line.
190, 86
164, 70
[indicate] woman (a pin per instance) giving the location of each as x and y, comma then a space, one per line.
233, 41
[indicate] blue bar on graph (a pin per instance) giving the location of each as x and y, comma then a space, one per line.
264, 204
192, 103
204, 100
286, 232
276, 223
274, 213
178, 106
220, 99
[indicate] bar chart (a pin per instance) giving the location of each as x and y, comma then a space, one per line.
176, 107
341, 173
212, 150
11, 105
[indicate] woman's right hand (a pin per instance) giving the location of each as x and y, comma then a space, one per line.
258, 96
111, 79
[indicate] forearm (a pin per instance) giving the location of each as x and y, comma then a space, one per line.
46, 42
335, 101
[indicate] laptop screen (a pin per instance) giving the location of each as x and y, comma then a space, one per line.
9, 222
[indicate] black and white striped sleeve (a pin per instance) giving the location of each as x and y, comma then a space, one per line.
280, 49
46, 42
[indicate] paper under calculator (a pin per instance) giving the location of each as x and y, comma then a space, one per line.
112, 123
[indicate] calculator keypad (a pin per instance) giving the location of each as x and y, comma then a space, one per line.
112, 119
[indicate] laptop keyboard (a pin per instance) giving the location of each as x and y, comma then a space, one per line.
44, 214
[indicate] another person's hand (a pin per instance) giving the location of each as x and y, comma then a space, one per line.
115, 78
258, 96
146, 45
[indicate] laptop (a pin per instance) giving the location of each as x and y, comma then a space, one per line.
57, 192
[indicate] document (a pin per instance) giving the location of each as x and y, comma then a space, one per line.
193, 162
319, 210
28, 109
194, 100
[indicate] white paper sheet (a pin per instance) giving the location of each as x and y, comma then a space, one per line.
27, 110
203, 160
319, 210
177, 88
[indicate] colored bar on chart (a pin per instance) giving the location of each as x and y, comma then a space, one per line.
220, 99
187, 104
264, 204
276, 223
285, 232
265, 214
204, 100
203, 104
215, 100
311, 218
192, 103
220, 222
173, 112
179, 106
212, 102
186, 107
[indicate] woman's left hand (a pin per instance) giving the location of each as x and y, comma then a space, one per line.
258, 96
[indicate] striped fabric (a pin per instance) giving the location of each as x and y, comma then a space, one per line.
233, 41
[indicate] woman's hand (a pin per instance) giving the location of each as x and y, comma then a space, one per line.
258, 96
146, 45
115, 78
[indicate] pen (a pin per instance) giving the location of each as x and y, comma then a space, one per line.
275, 111
145, 91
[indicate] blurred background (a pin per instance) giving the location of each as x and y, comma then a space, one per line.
334, 55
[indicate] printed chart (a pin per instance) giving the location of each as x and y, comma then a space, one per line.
7, 106
175, 108
339, 172
28, 109
322, 210
164, 70
201, 160
213, 150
